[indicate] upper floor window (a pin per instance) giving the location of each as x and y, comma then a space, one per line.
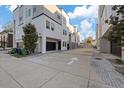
58, 16
64, 32
47, 24
20, 18
64, 20
52, 26
34, 10
29, 12
26, 13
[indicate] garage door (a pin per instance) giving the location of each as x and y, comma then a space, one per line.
50, 46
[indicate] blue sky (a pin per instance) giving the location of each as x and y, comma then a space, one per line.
84, 16
5, 15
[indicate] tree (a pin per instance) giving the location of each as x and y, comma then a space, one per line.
30, 37
89, 40
117, 23
8, 27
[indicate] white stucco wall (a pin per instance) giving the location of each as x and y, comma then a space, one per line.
104, 13
40, 24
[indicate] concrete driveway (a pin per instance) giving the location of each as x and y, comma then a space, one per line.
61, 69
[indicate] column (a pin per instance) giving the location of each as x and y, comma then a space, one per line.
57, 45
44, 44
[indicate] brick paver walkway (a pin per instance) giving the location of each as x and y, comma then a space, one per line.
106, 71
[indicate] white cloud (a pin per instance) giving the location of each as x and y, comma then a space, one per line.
11, 7
91, 33
89, 15
1, 28
85, 25
83, 11
86, 29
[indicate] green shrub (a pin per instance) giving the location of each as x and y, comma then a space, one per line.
18, 52
13, 51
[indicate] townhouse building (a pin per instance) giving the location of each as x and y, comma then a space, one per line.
6, 39
52, 25
103, 44
50, 22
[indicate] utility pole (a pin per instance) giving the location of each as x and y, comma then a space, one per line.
1, 41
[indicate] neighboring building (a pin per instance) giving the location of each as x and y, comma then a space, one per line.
97, 38
74, 37
6, 36
78, 39
6, 39
81, 45
51, 24
105, 12
103, 44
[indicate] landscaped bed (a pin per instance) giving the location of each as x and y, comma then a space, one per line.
117, 61
118, 64
18, 52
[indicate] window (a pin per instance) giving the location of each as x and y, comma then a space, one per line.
58, 16
20, 18
64, 20
47, 24
29, 12
34, 10
26, 13
52, 26
64, 32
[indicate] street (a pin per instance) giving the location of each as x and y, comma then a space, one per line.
78, 68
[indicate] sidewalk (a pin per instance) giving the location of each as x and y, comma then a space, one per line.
1, 49
106, 71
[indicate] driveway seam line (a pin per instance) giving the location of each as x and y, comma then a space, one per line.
11, 77
49, 79
88, 84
